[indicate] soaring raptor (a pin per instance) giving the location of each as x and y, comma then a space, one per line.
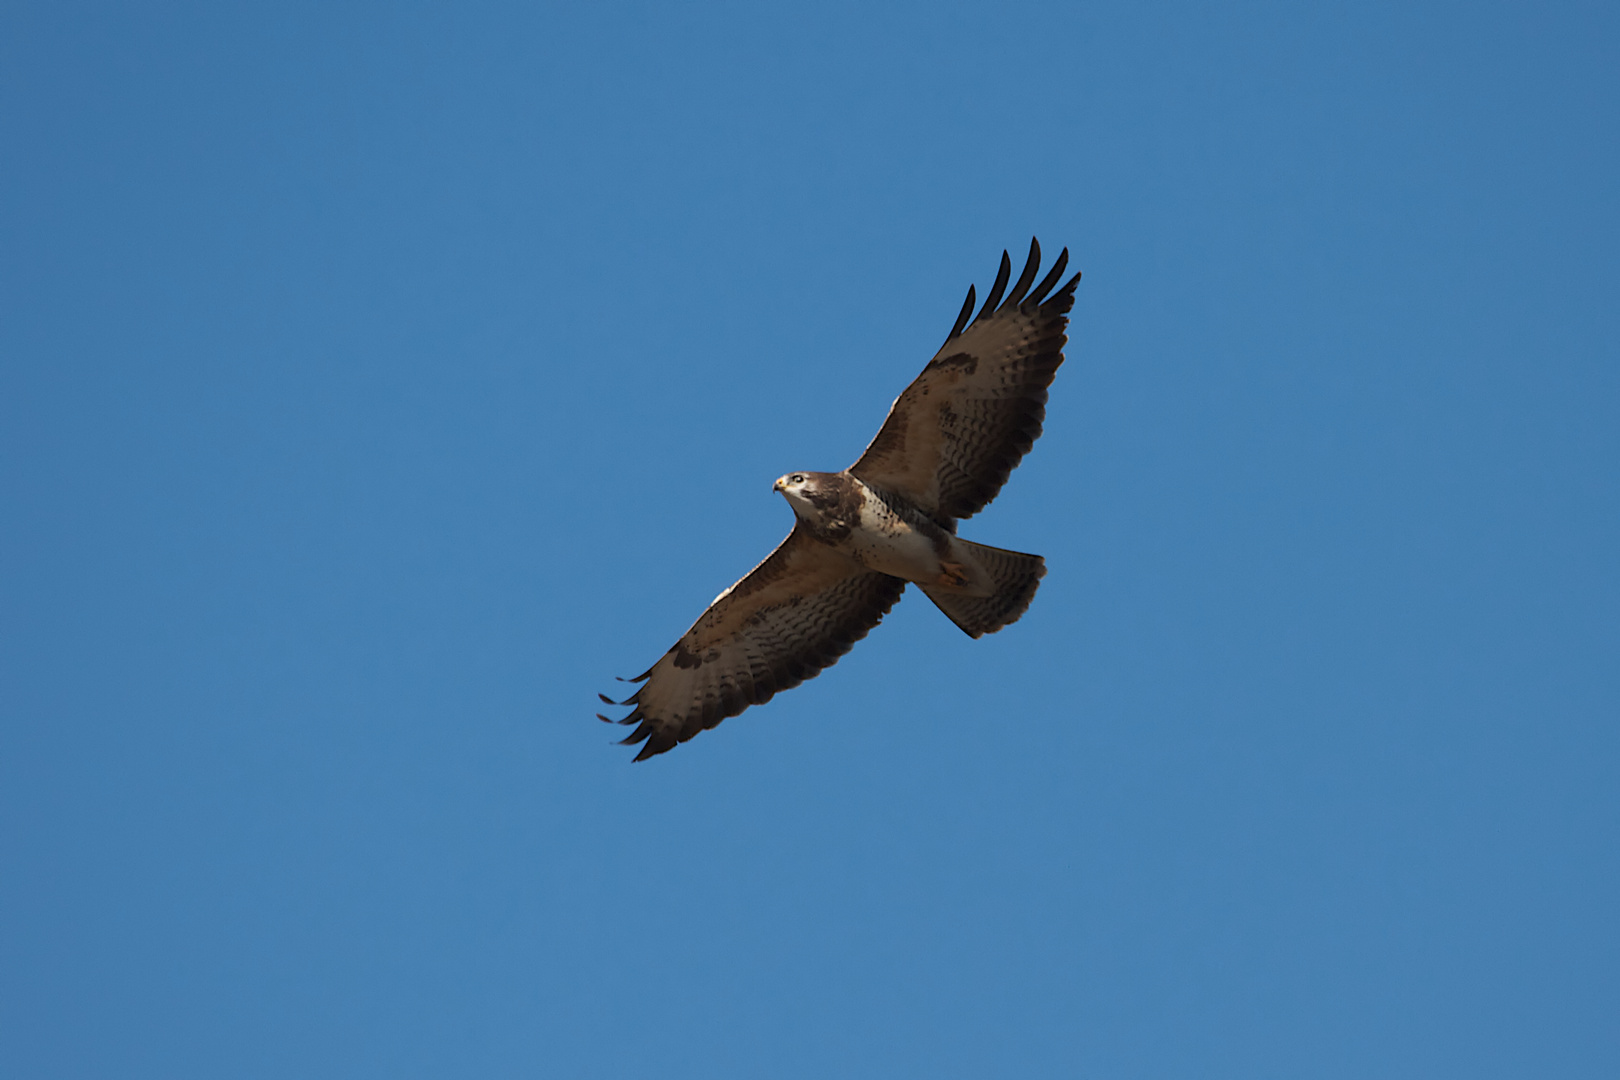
859, 535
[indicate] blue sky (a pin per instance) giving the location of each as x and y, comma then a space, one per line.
377, 382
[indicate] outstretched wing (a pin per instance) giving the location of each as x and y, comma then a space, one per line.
953, 437
794, 614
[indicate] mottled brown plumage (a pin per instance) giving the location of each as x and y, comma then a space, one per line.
796, 613
943, 453
960, 428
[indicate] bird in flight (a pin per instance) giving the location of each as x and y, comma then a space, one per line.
860, 535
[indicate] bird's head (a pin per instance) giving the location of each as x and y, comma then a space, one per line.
802, 490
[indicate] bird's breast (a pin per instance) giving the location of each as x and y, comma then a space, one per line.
883, 539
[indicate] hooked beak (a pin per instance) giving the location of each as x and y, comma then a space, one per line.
781, 482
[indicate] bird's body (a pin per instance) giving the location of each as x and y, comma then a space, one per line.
861, 535
881, 532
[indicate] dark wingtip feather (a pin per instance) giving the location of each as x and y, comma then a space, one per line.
994, 296
634, 717
1051, 278
1032, 264
1063, 299
961, 320
657, 743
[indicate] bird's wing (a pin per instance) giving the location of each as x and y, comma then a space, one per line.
958, 430
794, 614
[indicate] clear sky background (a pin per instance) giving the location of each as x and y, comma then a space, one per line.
377, 382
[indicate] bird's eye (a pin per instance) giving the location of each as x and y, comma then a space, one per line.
796, 478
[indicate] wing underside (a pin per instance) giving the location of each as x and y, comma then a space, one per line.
793, 615
956, 433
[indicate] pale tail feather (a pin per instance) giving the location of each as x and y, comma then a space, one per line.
1016, 577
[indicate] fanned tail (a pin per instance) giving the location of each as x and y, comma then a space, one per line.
1016, 577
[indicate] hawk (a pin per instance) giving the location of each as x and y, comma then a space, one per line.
860, 535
